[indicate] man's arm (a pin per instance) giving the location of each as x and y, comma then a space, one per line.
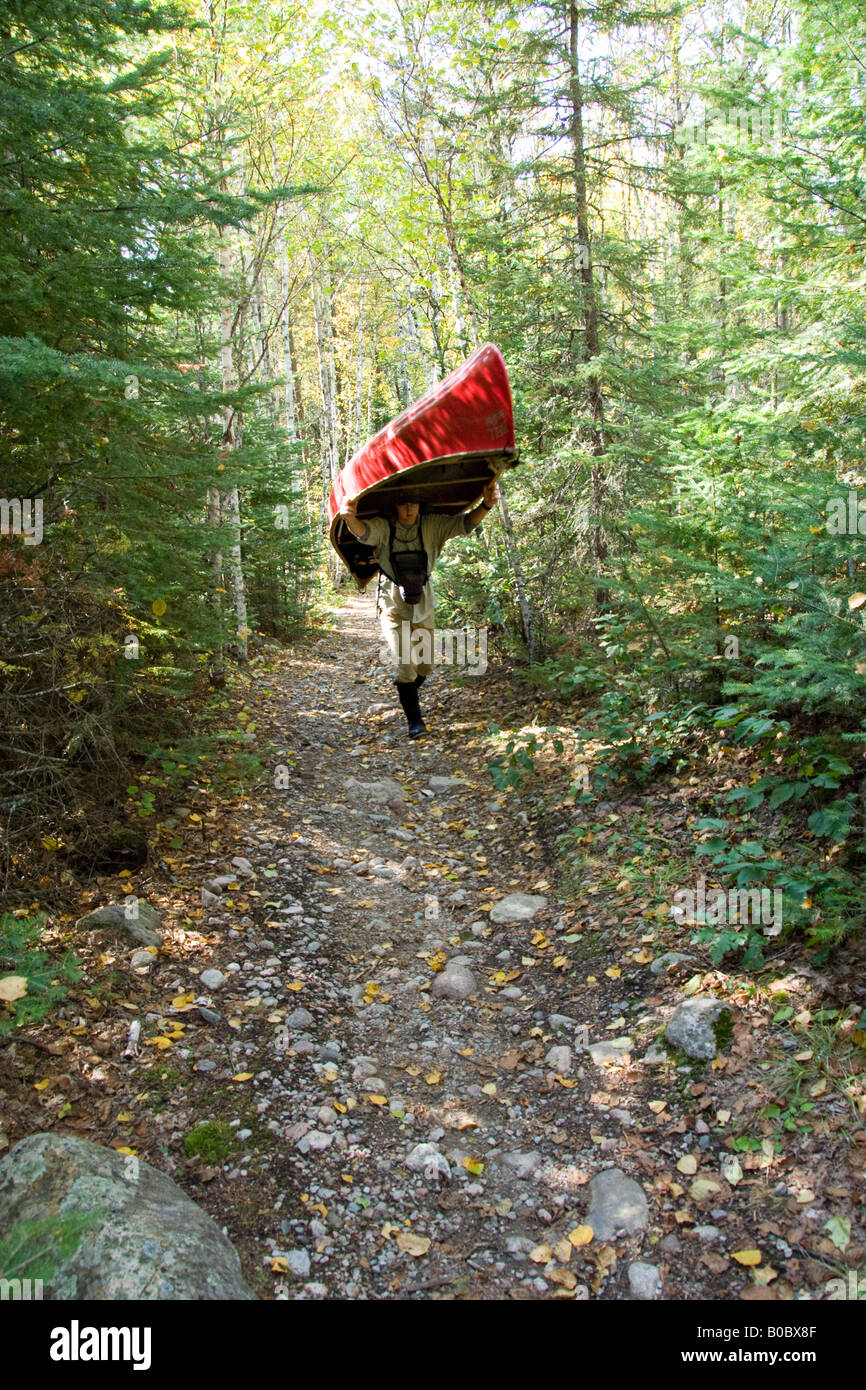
488, 501
359, 528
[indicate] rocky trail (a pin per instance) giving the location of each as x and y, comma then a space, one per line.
397, 1053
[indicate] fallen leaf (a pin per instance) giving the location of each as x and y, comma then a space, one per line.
40, 1085
413, 1245
657, 1106
688, 1164
279, 1264
581, 1235
377, 1100
540, 1254
473, 1165
747, 1257
243, 1076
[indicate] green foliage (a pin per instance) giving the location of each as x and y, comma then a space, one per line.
211, 1141
35, 1249
47, 978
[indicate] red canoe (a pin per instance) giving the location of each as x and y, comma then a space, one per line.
448, 446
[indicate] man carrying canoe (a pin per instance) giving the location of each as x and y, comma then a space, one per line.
406, 549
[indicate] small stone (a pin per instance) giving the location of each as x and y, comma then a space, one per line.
426, 1159
243, 866
205, 1064
668, 961
209, 899
707, 1233
299, 1018
142, 960
604, 1053
212, 979
644, 1280
692, 1026
559, 1022
455, 983
559, 1060
138, 919
299, 1263
208, 1015
617, 1203
517, 907
523, 1165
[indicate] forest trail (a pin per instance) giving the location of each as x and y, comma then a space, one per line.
360, 1134
356, 1062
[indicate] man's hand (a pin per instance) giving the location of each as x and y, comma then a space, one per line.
349, 507
491, 494
349, 513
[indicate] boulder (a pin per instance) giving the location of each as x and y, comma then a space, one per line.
137, 919
123, 1229
376, 795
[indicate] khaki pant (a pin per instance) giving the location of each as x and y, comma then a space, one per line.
410, 645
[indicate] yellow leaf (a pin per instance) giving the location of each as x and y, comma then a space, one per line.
657, 1106
613, 972
581, 1235
13, 987
688, 1164
131, 1152
158, 607
413, 1245
40, 1085
567, 1084
340, 1107
564, 1277
819, 1087
541, 1254
243, 1076
125, 1117
295, 985
346, 1177
433, 1078
160, 1042
377, 1100
747, 1257
643, 957
412, 1070
489, 1088
181, 1001
279, 1265
562, 1250
560, 962
473, 1165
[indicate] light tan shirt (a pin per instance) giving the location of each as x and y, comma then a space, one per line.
435, 531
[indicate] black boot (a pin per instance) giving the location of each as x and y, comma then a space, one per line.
408, 692
419, 681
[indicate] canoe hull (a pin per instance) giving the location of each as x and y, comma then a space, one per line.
448, 446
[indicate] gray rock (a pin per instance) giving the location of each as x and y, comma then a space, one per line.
212, 979
644, 1280
707, 1233
517, 907
426, 1159
617, 1203
144, 1238
243, 866
205, 1064
142, 923
208, 1015
209, 899
299, 1018
692, 1026
610, 1052
559, 1022
654, 1056
559, 1060
446, 784
457, 982
668, 961
384, 792
521, 1164
672, 1245
142, 960
299, 1263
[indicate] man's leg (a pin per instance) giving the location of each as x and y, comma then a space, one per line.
397, 633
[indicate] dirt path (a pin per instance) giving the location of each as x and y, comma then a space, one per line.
361, 1134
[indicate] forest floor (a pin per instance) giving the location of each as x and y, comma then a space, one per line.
290, 1110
